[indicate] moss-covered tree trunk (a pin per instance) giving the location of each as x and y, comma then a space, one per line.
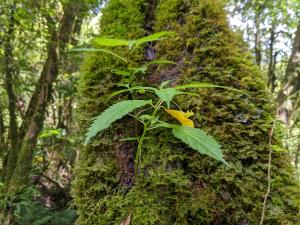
176, 184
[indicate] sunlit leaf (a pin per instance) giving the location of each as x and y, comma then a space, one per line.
165, 83
97, 50
113, 113
161, 61
131, 89
167, 94
110, 42
200, 141
208, 85
153, 37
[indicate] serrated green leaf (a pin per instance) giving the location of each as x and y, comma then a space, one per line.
135, 70
153, 37
161, 61
165, 83
97, 50
110, 42
113, 113
200, 141
131, 89
167, 94
208, 85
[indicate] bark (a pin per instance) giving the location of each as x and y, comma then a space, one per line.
297, 154
9, 73
34, 118
291, 81
257, 47
272, 60
2, 138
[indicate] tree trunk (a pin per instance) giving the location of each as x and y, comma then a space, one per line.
291, 81
34, 118
272, 60
11, 157
2, 137
257, 47
177, 185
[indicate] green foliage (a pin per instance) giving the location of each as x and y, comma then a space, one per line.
37, 214
199, 140
167, 94
17, 201
131, 44
113, 113
98, 50
208, 85
111, 42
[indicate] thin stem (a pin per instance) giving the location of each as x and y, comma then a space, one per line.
144, 110
139, 150
269, 169
147, 126
177, 105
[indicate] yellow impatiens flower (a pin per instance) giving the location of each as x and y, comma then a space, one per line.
182, 117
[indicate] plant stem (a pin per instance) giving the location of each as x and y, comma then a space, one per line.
139, 150
147, 126
269, 178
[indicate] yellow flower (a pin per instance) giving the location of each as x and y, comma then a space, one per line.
182, 117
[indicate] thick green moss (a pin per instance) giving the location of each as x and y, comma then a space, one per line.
177, 185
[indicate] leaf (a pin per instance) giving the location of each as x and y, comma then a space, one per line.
130, 89
200, 141
110, 42
161, 61
208, 85
97, 50
153, 37
142, 69
167, 94
113, 113
165, 83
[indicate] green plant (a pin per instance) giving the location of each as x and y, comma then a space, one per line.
150, 117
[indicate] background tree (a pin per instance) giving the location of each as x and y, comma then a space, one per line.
278, 28
35, 36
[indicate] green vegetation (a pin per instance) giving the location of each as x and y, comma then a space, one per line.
149, 112
179, 186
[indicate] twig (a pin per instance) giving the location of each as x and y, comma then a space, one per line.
269, 169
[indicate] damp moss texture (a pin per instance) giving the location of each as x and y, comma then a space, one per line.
176, 185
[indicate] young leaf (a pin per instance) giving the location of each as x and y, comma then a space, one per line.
97, 50
167, 94
165, 83
113, 113
153, 37
200, 141
161, 61
208, 85
131, 89
109, 42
